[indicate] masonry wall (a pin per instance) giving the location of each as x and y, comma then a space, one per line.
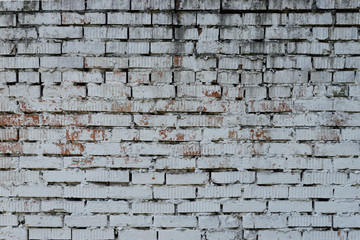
172, 120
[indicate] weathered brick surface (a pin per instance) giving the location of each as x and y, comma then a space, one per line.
178, 119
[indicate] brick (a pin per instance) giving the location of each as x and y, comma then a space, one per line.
264, 234
233, 177
60, 32
253, 33
39, 18
288, 206
44, 221
346, 221
88, 48
106, 62
85, 221
13, 233
93, 234
8, 220
136, 221
186, 179
148, 178
175, 221
277, 178
36, 233
152, 207
176, 235
107, 176
198, 91
244, 206
258, 222
17, 34
107, 207
198, 206
287, 33
109, 91
129, 18
335, 207
219, 191
81, 19
137, 234
62, 206
153, 92
128, 48
310, 221
105, 33
61, 62
19, 62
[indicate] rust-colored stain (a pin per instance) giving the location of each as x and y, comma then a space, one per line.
72, 135
19, 120
259, 134
191, 151
144, 121
12, 147
163, 134
97, 134
233, 134
178, 61
280, 107
180, 137
71, 148
121, 107
212, 93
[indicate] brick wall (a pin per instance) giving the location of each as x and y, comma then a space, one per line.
172, 120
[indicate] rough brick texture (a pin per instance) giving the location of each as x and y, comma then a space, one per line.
180, 119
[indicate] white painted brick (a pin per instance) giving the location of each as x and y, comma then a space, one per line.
153, 92
265, 192
105, 33
137, 234
289, 206
60, 32
107, 176
258, 222
324, 235
148, 178
336, 207
19, 205
198, 206
153, 207
277, 178
177, 235
133, 221
175, 221
324, 178
310, 192
88, 48
206, 222
268, 234
43, 221
62, 206
8, 220
13, 233
346, 221
51, 233
219, 191
186, 179
86, 18
244, 206
84, 234
85, 221
310, 221
233, 177
107, 207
